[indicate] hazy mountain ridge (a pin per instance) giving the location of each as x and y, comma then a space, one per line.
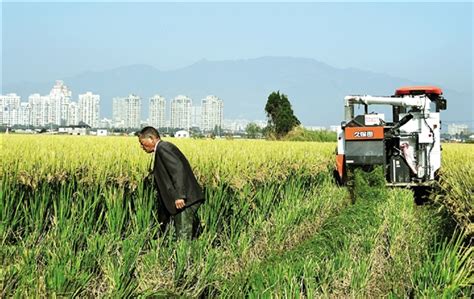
315, 89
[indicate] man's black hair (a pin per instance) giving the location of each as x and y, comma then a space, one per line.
149, 132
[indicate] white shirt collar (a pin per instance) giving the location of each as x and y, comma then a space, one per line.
156, 145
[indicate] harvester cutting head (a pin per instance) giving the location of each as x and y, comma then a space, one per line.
407, 146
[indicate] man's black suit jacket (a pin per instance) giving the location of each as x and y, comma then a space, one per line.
174, 177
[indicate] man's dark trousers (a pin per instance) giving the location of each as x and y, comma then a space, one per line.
186, 223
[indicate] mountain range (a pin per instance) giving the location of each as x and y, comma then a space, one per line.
315, 89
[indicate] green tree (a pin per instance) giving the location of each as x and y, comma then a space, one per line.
281, 118
217, 131
252, 130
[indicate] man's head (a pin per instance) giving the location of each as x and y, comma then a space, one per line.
148, 137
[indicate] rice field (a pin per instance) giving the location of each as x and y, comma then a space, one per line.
78, 218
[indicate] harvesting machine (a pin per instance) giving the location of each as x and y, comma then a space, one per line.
407, 146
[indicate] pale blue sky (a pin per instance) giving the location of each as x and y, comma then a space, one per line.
429, 42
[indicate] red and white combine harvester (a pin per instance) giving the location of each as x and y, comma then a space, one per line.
407, 146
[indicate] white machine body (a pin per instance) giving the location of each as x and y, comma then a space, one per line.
409, 147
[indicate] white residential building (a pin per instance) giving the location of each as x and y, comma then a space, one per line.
39, 106
212, 113
235, 125
89, 106
181, 112
119, 112
105, 123
24, 117
59, 99
10, 109
126, 112
73, 116
157, 111
455, 129
239, 125
134, 106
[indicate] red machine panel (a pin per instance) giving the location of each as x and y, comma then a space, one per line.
363, 133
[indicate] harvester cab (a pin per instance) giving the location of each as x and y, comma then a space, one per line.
407, 146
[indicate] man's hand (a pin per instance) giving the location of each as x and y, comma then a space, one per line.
179, 203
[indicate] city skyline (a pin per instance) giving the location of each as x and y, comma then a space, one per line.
58, 108
42, 111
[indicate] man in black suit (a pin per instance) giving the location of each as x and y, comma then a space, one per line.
179, 193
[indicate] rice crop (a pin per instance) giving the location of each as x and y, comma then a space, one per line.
78, 218
457, 184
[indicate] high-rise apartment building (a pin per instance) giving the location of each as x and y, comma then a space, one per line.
59, 98
89, 106
456, 129
119, 112
126, 111
73, 116
24, 117
181, 112
39, 106
212, 114
135, 108
157, 111
10, 109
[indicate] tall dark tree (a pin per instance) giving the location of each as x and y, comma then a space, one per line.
281, 118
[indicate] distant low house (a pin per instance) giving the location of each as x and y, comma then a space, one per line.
181, 134
25, 131
102, 132
75, 130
